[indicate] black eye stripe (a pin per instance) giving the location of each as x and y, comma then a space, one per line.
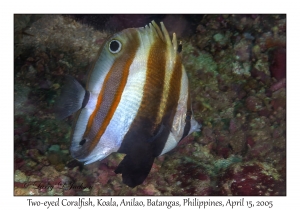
115, 46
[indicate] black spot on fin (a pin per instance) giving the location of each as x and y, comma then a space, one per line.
73, 96
179, 49
135, 170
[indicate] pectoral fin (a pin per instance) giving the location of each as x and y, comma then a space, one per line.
72, 98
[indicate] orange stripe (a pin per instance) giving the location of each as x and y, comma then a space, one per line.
111, 92
99, 100
93, 115
154, 83
153, 88
147, 123
114, 105
175, 84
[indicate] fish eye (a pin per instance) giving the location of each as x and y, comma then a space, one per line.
115, 46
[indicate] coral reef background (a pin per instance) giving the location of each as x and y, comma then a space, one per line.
237, 70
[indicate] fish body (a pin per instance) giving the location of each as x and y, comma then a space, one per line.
136, 102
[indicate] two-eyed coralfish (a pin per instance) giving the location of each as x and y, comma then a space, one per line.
136, 102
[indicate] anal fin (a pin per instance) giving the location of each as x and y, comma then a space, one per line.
135, 170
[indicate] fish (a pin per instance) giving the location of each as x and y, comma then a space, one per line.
136, 101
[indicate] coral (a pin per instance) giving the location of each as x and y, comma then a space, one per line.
151, 190
241, 69
198, 59
54, 148
251, 178
49, 171
278, 64
56, 159
243, 50
20, 176
254, 104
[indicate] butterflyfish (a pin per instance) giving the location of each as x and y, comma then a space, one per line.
136, 101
